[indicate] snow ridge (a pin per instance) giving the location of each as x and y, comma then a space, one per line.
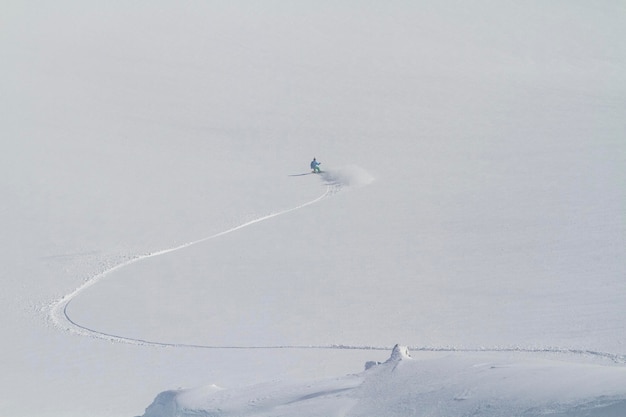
401, 386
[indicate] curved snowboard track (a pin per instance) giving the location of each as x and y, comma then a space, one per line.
59, 315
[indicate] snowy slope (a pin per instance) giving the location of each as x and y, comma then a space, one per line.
157, 233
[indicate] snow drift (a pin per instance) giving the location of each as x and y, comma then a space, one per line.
483, 384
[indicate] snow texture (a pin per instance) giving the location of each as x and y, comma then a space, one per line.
488, 385
162, 231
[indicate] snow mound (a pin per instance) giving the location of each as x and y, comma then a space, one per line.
168, 403
486, 384
349, 176
164, 404
399, 353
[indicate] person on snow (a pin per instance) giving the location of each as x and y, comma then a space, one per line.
315, 166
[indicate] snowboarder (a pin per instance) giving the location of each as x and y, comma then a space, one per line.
315, 166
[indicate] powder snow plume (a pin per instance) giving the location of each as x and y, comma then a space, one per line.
348, 176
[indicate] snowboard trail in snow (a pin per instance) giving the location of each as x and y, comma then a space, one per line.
59, 316
335, 182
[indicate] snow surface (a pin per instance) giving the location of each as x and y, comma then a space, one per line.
448, 385
162, 232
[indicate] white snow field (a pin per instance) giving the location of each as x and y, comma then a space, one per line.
166, 251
